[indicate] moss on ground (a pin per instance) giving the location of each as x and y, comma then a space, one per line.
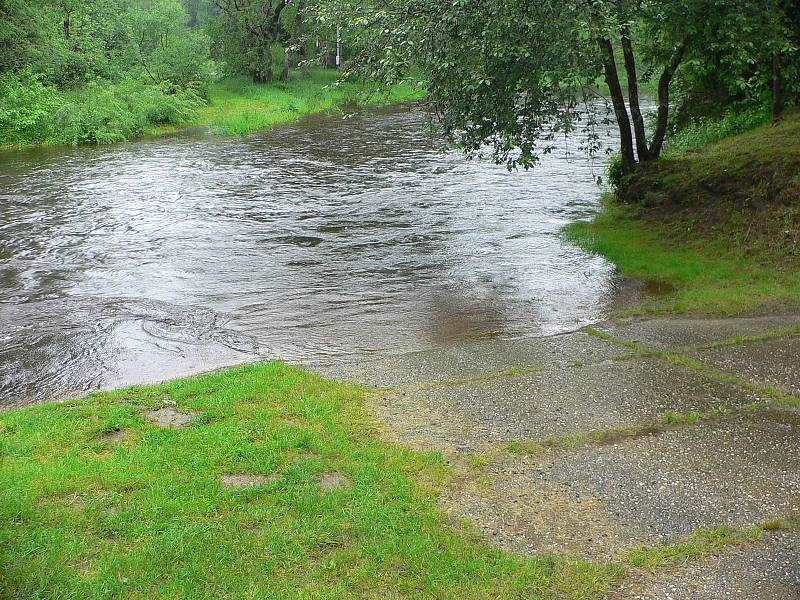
98, 501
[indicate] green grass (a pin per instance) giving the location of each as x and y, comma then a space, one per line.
145, 516
239, 106
701, 543
719, 223
713, 276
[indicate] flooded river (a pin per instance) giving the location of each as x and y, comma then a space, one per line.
328, 239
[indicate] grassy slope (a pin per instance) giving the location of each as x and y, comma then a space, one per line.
721, 223
84, 516
238, 106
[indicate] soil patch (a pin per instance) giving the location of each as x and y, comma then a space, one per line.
244, 480
170, 418
333, 480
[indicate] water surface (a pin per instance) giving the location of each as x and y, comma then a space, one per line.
328, 239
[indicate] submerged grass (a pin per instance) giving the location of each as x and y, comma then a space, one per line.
96, 501
238, 106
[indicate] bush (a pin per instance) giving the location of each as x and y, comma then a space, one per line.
27, 108
615, 172
105, 112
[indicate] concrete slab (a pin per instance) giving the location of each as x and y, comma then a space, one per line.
770, 362
766, 570
670, 333
473, 359
596, 501
558, 401
739, 471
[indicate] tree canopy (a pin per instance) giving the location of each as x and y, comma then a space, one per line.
514, 74
510, 75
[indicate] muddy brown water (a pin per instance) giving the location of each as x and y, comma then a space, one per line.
328, 239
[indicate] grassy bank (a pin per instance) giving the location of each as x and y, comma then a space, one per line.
720, 223
239, 106
103, 113
97, 501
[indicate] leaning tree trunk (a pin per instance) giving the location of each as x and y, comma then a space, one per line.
663, 99
618, 101
633, 97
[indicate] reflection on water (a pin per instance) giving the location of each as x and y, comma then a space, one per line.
330, 238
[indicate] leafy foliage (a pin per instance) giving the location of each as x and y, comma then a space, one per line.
27, 107
512, 75
97, 71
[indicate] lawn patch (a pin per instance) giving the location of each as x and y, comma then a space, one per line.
244, 503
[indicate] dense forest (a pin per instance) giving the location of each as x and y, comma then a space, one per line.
510, 74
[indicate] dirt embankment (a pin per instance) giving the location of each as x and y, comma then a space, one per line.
742, 192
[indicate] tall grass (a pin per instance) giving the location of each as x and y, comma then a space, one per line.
702, 132
239, 106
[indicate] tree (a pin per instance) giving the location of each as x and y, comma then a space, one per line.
251, 27
295, 41
166, 49
513, 74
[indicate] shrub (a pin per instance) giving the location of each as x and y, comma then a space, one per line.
27, 108
105, 112
615, 172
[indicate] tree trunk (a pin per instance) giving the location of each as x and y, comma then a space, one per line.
268, 65
284, 76
633, 96
663, 99
297, 25
304, 62
617, 99
263, 71
778, 99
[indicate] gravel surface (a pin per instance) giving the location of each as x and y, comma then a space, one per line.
598, 500
765, 570
738, 471
670, 333
771, 362
564, 400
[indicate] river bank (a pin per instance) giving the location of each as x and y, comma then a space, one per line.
237, 106
466, 472
719, 224
105, 113
256, 481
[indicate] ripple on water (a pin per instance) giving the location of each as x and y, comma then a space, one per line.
327, 238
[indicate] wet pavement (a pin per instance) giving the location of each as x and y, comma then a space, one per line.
571, 490
766, 570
